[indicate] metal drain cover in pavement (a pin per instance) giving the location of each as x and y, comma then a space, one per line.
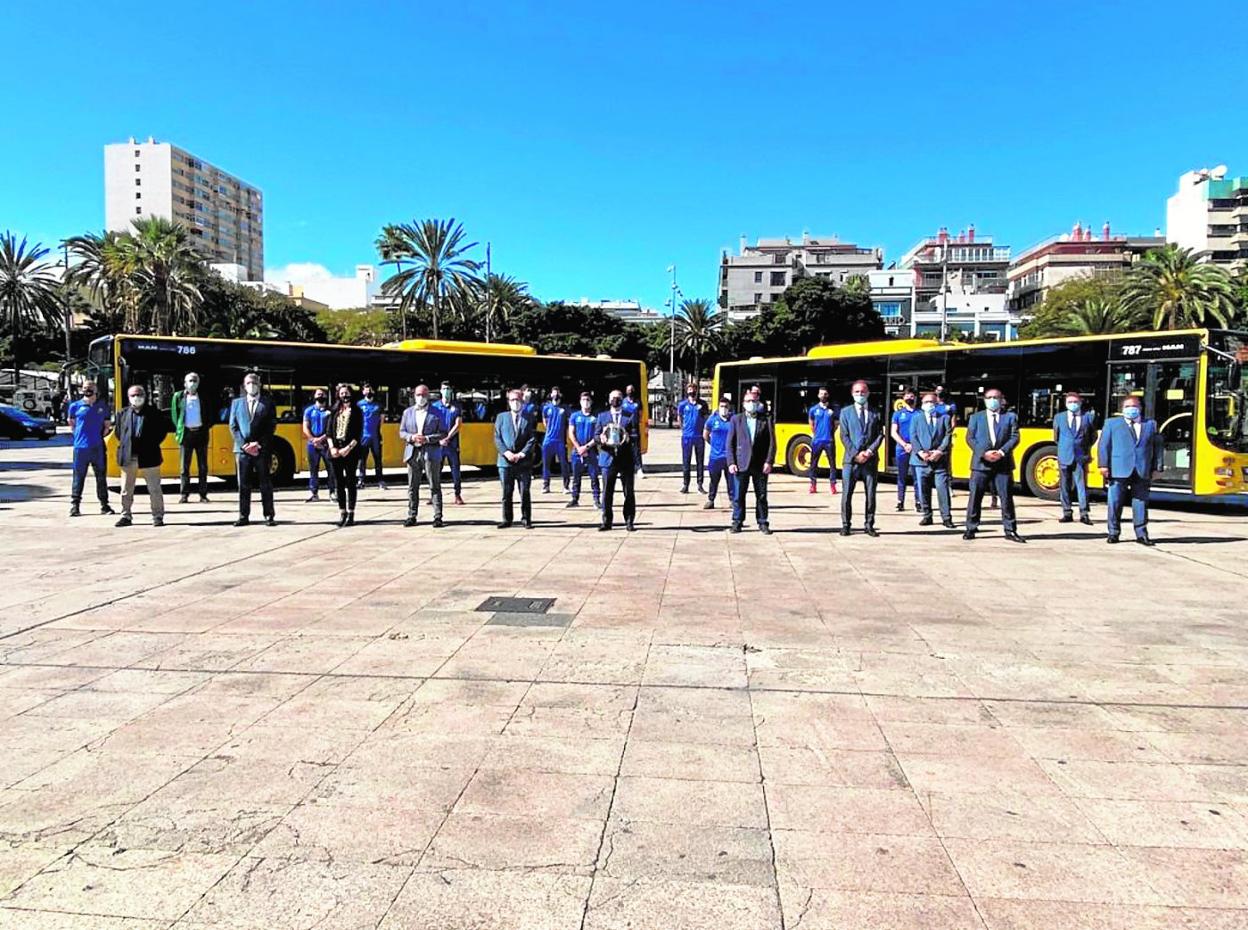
517, 605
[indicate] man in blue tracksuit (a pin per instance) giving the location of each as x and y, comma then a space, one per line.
633, 408
88, 418
315, 424
452, 414
691, 412
370, 442
822, 419
555, 442
900, 432
715, 431
583, 436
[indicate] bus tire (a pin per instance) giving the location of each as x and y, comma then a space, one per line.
797, 456
1041, 473
281, 463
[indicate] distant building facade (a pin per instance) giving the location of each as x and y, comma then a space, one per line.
345, 293
627, 311
892, 295
1075, 254
959, 282
1209, 215
223, 214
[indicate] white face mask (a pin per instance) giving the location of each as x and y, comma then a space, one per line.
137, 402
751, 406
587, 405
515, 405
724, 411
252, 389
420, 401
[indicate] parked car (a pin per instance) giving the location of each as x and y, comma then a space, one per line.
18, 424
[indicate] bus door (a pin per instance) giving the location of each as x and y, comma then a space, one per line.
919, 381
1168, 389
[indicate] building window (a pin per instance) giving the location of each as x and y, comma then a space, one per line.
136, 167
138, 182
758, 277
758, 299
138, 210
136, 153
780, 258
138, 195
777, 279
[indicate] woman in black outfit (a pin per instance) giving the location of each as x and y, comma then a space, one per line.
346, 428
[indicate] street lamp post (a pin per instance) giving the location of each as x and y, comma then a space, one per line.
69, 317
672, 358
944, 292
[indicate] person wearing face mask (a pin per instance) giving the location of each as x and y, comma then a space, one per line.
253, 419
345, 433
992, 435
617, 438
191, 428
515, 440
452, 414
691, 418
822, 420
583, 437
715, 433
751, 448
370, 441
528, 407
1074, 431
89, 420
861, 435
1131, 454
140, 430
554, 441
899, 430
931, 441
315, 428
632, 407
422, 430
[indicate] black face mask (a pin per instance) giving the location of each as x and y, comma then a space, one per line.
617, 402
322, 401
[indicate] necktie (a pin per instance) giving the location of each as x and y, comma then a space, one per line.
862, 417
992, 428
251, 409
1135, 431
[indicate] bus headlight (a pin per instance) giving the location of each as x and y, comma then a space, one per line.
1224, 472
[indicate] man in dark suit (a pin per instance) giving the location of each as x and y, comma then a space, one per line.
253, 420
1131, 454
421, 430
515, 438
1074, 431
861, 435
992, 435
751, 450
931, 440
140, 430
618, 459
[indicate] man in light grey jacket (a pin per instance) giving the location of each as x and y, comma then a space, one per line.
420, 430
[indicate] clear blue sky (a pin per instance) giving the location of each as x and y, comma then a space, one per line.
595, 146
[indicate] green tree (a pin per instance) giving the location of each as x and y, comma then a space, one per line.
1061, 301
165, 271
814, 311
231, 311
1176, 291
100, 271
698, 326
432, 264
357, 327
1098, 317
502, 297
29, 292
859, 285
1239, 297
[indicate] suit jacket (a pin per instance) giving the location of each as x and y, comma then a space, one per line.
632, 436
854, 438
978, 438
1123, 456
1074, 446
746, 455
434, 430
924, 438
146, 446
507, 438
244, 429
177, 410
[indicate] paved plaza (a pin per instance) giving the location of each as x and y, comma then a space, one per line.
309, 727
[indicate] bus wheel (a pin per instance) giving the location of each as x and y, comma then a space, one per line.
282, 463
1042, 473
797, 456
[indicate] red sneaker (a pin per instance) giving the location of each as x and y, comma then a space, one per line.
833, 490
814, 488
458, 499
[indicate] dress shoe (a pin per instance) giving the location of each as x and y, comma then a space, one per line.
685, 489
545, 489
184, 499
203, 498
926, 521
350, 518
381, 486
158, 521
871, 531
124, 521
504, 524
572, 504
701, 489
1144, 541
74, 511
845, 531
242, 521
709, 505
735, 528
437, 523
901, 505
764, 529
604, 527
107, 510
527, 524
270, 521
1085, 520
1111, 539
968, 535
312, 497
410, 521
342, 518
1066, 518
1014, 537
948, 524
918, 508
628, 525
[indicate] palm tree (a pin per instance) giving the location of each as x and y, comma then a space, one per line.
1096, 317
165, 269
29, 291
502, 297
699, 325
100, 271
439, 267
1174, 289
857, 285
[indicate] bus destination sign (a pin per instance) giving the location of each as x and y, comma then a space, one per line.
1130, 350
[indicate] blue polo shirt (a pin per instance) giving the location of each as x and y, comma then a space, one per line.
555, 416
584, 427
943, 410
372, 418
529, 409
692, 419
317, 419
901, 419
824, 419
449, 413
89, 420
630, 407
719, 428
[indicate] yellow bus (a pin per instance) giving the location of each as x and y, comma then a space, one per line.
480, 373
1193, 382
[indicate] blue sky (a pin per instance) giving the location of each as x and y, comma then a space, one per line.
595, 146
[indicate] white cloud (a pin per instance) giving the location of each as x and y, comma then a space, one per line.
298, 273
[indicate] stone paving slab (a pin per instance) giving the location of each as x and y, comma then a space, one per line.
303, 726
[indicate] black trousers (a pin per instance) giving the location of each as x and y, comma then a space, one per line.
511, 478
853, 474
253, 471
1001, 483
344, 479
194, 442
621, 467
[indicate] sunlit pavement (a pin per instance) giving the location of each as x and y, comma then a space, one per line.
305, 726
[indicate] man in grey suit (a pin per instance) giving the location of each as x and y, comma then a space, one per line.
515, 438
861, 435
420, 430
751, 448
931, 439
253, 420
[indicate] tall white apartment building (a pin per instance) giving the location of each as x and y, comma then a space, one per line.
1209, 215
223, 213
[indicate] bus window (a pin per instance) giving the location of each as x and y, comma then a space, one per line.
1049, 371
1126, 381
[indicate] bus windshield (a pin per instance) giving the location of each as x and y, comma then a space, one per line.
1227, 418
